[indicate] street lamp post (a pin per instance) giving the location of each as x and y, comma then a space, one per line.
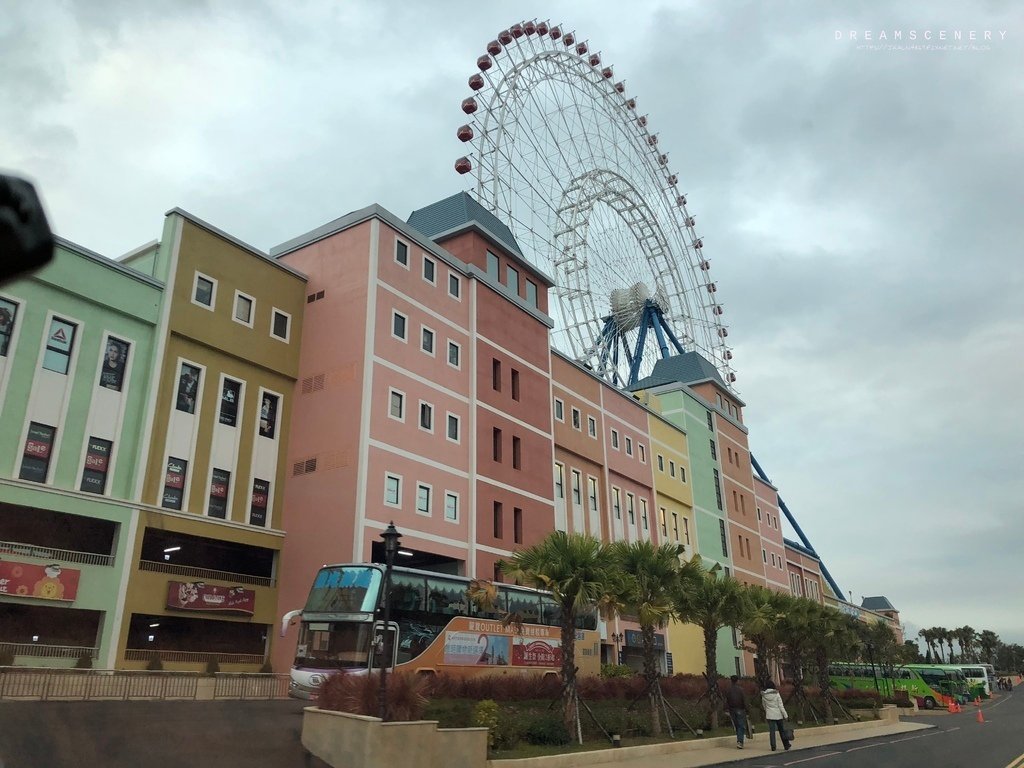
871, 658
391, 538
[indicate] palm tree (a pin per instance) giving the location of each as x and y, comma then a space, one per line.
798, 636
989, 642
948, 636
941, 634
578, 572
928, 635
764, 609
833, 637
711, 601
650, 578
967, 637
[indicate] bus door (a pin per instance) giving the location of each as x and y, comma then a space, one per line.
384, 649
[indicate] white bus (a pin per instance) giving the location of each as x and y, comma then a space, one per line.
977, 675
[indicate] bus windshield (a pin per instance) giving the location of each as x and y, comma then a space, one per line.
333, 645
344, 589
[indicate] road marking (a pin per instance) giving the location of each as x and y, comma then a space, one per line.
816, 757
866, 746
1008, 697
1016, 762
911, 738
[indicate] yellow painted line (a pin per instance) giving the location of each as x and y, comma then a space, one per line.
1016, 762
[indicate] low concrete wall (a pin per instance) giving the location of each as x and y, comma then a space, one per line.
345, 740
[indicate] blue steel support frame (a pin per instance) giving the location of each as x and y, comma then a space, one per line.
799, 532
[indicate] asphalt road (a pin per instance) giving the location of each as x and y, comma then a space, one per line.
957, 741
153, 734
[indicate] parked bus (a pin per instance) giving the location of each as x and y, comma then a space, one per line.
433, 628
945, 677
977, 679
931, 688
990, 672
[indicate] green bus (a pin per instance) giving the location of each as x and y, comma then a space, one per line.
931, 685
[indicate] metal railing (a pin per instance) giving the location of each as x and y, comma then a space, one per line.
108, 684
205, 573
61, 555
145, 654
48, 651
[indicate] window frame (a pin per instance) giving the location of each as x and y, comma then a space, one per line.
427, 261
454, 497
404, 264
449, 417
52, 448
427, 409
71, 355
615, 439
559, 409
213, 291
559, 480
274, 313
457, 365
577, 419
456, 280
420, 487
424, 331
404, 338
391, 393
252, 309
397, 503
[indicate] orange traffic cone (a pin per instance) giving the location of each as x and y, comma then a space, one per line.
981, 717
977, 701
951, 708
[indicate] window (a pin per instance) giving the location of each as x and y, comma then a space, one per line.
280, 325
174, 483
426, 416
402, 253
661, 463
268, 415
59, 342
711, 424
764, 555
515, 384
517, 525
671, 468
630, 508
577, 498
675, 526
97, 462
392, 490
643, 452
718, 490
736, 661
244, 308
663, 521
686, 530
427, 340
496, 443
398, 322
576, 424
454, 355
617, 503
188, 388
759, 514
725, 541
517, 453
592, 493
8, 316
714, 452
115, 360
230, 395
454, 286
629, 446
682, 473
314, 297
220, 481
453, 427
35, 461
531, 293
429, 270
260, 502
492, 265
592, 426
396, 405
559, 410
729, 453
559, 481
496, 374
204, 291
643, 512
451, 506
718, 399
499, 519
615, 439
423, 499
512, 279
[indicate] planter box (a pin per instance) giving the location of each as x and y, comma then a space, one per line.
345, 740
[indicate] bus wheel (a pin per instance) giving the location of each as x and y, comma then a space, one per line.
929, 703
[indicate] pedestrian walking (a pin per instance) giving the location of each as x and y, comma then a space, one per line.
774, 714
736, 701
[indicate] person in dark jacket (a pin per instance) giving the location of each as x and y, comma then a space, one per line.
736, 701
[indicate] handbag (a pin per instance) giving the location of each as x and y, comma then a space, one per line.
787, 732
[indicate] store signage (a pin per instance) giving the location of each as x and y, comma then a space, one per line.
635, 639
199, 596
44, 582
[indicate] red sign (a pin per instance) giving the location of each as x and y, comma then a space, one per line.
46, 582
197, 596
536, 653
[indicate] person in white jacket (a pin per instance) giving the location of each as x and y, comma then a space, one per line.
774, 714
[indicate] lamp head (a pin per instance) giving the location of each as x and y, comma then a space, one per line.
391, 538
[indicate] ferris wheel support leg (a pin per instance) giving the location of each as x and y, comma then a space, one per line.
634, 367
658, 324
671, 336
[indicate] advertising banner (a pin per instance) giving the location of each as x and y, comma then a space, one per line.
46, 582
473, 642
529, 652
197, 596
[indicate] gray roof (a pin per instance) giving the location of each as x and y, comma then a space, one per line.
800, 548
458, 212
687, 368
877, 604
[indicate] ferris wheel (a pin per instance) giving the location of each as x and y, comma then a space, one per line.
560, 153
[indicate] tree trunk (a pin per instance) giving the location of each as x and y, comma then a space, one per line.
761, 672
823, 684
569, 668
711, 671
650, 675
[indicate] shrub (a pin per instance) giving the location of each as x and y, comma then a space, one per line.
358, 694
485, 715
616, 670
546, 729
155, 663
212, 665
84, 661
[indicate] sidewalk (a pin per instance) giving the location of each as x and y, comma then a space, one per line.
691, 754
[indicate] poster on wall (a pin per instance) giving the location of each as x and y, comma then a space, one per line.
268, 416
45, 582
115, 359
260, 499
199, 596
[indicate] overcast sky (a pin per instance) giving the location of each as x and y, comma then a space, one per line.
860, 206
